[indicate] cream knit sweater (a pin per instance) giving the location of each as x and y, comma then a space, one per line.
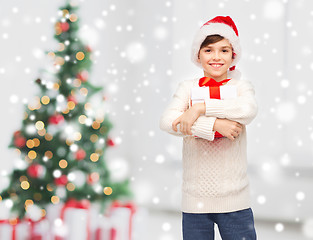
214, 170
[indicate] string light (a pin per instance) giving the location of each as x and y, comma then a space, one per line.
13, 221
49, 188
55, 199
94, 157
43, 212
94, 138
95, 125
56, 86
36, 142
66, 111
32, 154
69, 142
23, 178
70, 187
63, 163
82, 119
48, 137
25, 185
59, 61
49, 154
30, 143
65, 12
28, 202
70, 105
87, 106
41, 132
107, 191
61, 47
37, 196
73, 17
51, 54
45, 100
103, 130
39, 125
77, 82
84, 91
80, 56
77, 136
58, 28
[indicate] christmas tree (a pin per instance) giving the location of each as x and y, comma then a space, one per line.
61, 142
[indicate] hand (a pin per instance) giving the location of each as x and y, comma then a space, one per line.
227, 128
187, 119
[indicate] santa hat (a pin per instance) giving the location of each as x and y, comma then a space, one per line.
223, 26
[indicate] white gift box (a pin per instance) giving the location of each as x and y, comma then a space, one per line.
77, 223
104, 229
73, 225
199, 94
42, 229
6, 231
120, 218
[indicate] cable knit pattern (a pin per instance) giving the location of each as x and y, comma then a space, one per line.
214, 170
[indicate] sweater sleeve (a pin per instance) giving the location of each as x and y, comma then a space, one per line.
202, 127
242, 109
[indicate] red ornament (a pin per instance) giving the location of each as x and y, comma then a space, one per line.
35, 170
64, 26
110, 142
17, 133
92, 178
83, 75
61, 181
88, 48
80, 155
20, 142
72, 98
56, 119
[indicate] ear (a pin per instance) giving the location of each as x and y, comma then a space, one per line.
198, 59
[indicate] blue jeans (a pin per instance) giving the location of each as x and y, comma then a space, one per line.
237, 225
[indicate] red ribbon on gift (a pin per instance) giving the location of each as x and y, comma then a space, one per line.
214, 88
73, 203
132, 208
33, 236
13, 223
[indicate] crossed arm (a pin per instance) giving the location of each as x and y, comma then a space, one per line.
228, 128
203, 119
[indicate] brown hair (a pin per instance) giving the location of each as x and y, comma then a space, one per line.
212, 39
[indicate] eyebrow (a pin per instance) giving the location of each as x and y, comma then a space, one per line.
220, 47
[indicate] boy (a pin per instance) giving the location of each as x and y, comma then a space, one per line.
215, 184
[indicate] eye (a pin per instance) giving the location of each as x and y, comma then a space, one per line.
208, 50
225, 50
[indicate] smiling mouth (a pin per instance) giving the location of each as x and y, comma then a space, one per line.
216, 65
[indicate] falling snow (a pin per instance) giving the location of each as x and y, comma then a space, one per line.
138, 64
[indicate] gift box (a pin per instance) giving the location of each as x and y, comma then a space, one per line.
73, 222
199, 94
210, 89
38, 230
105, 229
14, 229
117, 224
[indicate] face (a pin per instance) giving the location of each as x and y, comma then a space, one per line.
216, 59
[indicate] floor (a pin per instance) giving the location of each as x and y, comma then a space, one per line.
167, 226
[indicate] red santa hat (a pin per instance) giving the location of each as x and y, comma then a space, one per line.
223, 26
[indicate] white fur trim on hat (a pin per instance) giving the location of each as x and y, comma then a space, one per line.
211, 29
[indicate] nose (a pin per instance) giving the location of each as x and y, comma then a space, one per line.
216, 55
